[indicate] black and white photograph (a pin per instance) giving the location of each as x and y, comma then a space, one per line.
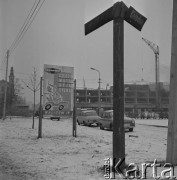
88, 89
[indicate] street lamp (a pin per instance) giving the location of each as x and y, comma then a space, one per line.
106, 91
99, 82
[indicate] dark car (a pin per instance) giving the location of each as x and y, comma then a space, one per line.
107, 121
87, 117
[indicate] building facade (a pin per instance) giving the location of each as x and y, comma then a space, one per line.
138, 98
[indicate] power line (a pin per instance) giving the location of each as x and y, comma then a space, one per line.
23, 26
28, 24
24, 31
18, 38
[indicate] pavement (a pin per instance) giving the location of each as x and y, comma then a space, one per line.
153, 122
6, 176
58, 155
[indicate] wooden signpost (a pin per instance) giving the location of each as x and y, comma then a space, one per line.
118, 13
172, 122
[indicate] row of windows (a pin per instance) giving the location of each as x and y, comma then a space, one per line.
64, 90
60, 80
89, 94
127, 94
93, 100
64, 75
128, 100
64, 85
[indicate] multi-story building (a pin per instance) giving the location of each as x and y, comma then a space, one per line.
138, 97
143, 97
88, 98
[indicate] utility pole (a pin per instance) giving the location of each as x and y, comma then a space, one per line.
5, 90
171, 156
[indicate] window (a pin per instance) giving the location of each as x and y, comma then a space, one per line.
92, 113
108, 115
2, 89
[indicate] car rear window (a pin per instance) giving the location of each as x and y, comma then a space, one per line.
91, 113
107, 115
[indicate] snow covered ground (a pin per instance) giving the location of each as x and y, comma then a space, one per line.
59, 156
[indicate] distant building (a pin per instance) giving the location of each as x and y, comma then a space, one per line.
142, 97
10, 90
12, 108
138, 97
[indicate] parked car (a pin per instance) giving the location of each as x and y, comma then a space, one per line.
107, 121
87, 117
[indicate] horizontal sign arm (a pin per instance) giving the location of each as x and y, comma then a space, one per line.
99, 21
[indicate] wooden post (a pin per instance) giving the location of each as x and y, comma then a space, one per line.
118, 90
74, 112
40, 112
172, 122
118, 13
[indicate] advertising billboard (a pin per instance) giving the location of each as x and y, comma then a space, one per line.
58, 90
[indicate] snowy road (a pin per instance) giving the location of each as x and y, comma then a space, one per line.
59, 156
153, 122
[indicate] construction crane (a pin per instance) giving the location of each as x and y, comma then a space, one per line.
155, 49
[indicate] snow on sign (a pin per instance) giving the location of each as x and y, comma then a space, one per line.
58, 90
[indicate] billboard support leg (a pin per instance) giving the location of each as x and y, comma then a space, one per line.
74, 112
40, 112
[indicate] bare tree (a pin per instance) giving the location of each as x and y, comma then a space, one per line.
33, 85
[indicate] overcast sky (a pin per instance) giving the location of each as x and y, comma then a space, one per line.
56, 37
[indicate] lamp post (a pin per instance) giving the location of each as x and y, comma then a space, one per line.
106, 91
99, 82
